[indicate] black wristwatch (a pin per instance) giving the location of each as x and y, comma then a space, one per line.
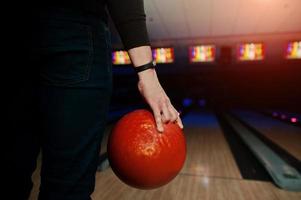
149, 65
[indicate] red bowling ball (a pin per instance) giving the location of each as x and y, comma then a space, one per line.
141, 156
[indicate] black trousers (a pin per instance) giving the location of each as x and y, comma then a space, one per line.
58, 104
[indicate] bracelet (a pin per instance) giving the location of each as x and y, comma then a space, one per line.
141, 68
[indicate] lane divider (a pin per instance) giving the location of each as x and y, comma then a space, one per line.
284, 175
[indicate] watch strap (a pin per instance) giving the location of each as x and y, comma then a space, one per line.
141, 68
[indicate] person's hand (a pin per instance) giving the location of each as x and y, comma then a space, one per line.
152, 91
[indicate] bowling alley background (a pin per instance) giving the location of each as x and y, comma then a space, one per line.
233, 70
228, 53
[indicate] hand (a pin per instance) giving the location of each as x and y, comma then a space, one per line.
150, 88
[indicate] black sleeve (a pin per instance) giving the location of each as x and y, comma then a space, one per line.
129, 19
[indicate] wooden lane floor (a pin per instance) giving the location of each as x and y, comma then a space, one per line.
191, 187
184, 187
286, 136
208, 152
210, 172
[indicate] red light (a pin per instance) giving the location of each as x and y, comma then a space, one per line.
294, 120
293, 50
163, 55
283, 117
250, 51
202, 53
120, 58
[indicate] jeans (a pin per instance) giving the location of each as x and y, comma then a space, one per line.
59, 104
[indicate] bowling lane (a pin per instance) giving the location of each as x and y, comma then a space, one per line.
284, 135
203, 135
109, 187
208, 152
191, 188
210, 172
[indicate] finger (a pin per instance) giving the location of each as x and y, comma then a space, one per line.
179, 122
158, 119
173, 113
165, 113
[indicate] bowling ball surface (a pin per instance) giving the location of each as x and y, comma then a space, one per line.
141, 156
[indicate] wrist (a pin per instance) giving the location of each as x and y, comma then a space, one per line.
144, 67
147, 74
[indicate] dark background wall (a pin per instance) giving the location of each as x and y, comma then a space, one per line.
272, 83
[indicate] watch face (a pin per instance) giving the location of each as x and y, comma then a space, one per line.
154, 63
